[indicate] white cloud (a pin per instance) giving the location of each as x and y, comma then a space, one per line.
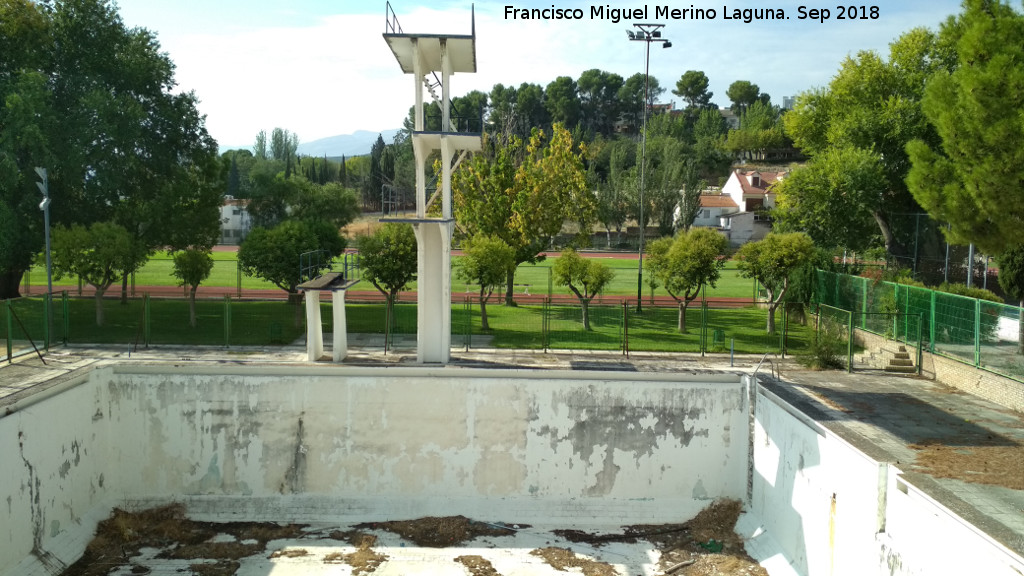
337, 75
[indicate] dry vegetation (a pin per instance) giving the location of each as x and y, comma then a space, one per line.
444, 532
997, 463
703, 546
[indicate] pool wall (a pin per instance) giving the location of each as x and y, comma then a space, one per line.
354, 444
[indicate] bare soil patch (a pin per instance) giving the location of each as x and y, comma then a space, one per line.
443, 532
364, 560
996, 464
124, 534
563, 559
477, 565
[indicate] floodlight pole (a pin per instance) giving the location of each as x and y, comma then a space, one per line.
647, 33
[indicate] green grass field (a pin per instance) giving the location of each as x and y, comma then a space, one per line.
529, 277
275, 323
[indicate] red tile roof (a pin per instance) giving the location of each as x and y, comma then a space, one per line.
764, 182
717, 201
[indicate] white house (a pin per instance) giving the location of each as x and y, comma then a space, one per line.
752, 193
235, 222
712, 208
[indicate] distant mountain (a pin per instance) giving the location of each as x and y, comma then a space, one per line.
355, 144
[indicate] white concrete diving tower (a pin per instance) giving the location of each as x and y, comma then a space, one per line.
425, 56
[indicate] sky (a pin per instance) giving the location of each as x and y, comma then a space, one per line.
321, 68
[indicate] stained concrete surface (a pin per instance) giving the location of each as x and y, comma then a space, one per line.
883, 415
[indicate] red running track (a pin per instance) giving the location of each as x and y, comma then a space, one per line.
219, 292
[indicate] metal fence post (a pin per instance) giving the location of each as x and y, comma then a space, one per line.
849, 343
920, 341
625, 329
931, 325
704, 326
977, 332
468, 307
147, 320
227, 320
238, 278
906, 319
545, 320
67, 321
10, 331
46, 323
785, 328
864, 304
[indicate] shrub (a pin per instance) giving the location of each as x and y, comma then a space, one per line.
972, 292
827, 349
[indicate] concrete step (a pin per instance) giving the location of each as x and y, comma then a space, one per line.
901, 356
901, 362
901, 369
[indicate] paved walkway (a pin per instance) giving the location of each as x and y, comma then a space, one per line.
883, 415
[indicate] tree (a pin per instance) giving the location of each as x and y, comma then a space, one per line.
523, 195
770, 262
708, 133
234, 179
259, 148
372, 186
96, 104
874, 105
631, 99
972, 177
274, 253
742, 94
842, 181
686, 264
692, 87
599, 100
666, 162
502, 113
561, 99
760, 131
531, 109
693, 186
388, 260
191, 267
331, 203
99, 255
584, 277
485, 262
284, 144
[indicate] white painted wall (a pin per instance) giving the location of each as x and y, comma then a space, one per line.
348, 445
800, 470
924, 538
54, 474
879, 524
542, 447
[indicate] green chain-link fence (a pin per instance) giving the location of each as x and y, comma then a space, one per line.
983, 334
553, 323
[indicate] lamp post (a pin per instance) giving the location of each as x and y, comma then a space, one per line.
44, 187
646, 33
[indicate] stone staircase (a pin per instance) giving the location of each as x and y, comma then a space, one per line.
893, 358
901, 363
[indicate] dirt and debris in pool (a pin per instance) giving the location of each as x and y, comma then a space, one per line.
705, 545
441, 532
